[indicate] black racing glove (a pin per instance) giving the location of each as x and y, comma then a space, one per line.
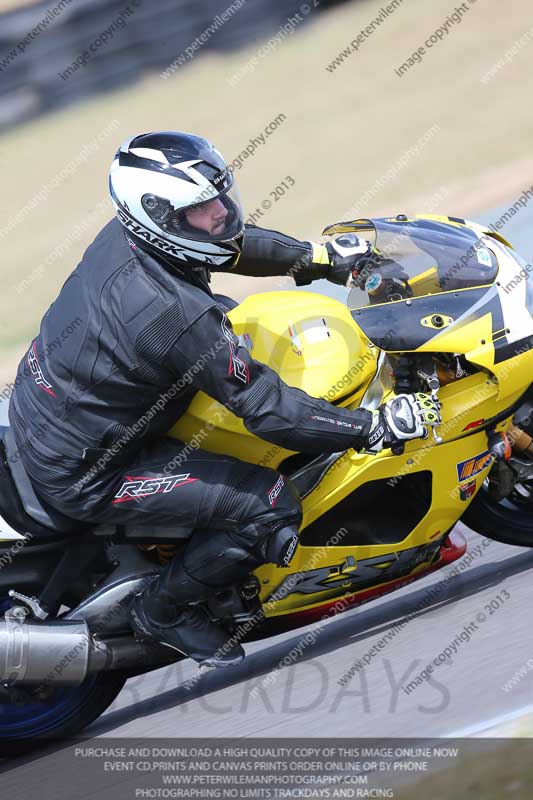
339, 260
347, 255
407, 416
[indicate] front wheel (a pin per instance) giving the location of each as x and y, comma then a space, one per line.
509, 521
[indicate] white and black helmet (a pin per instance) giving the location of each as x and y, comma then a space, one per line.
163, 186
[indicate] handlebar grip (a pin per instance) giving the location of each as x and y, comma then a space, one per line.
398, 448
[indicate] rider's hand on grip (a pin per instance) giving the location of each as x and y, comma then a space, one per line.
398, 448
407, 416
347, 254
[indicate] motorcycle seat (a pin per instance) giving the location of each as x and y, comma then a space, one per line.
24, 511
19, 504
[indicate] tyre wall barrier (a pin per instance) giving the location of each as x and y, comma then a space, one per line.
61, 51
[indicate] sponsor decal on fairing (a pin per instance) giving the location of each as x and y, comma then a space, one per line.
467, 490
475, 424
473, 466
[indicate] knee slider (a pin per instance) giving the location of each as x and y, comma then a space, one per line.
281, 546
274, 541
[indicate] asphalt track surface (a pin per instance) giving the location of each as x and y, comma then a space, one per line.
490, 599
305, 698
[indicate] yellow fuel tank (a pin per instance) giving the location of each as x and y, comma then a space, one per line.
311, 341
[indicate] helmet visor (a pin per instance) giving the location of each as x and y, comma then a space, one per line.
219, 218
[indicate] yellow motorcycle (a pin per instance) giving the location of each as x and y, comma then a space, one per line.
443, 306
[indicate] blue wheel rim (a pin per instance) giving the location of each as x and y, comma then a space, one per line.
37, 719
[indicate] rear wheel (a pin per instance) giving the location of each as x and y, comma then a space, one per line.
509, 520
30, 716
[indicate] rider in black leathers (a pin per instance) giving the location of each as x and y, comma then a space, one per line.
133, 334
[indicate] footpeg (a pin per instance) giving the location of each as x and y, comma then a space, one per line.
30, 602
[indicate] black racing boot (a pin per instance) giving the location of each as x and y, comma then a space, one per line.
167, 612
191, 632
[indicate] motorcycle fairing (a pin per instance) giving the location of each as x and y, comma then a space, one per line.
342, 480
399, 327
349, 574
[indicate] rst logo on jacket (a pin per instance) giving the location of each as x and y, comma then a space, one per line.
32, 359
236, 366
473, 466
134, 488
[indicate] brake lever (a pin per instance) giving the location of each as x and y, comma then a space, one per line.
435, 397
431, 377
438, 439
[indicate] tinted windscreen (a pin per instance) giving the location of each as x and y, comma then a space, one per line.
420, 257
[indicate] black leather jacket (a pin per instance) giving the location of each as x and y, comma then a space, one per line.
131, 338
